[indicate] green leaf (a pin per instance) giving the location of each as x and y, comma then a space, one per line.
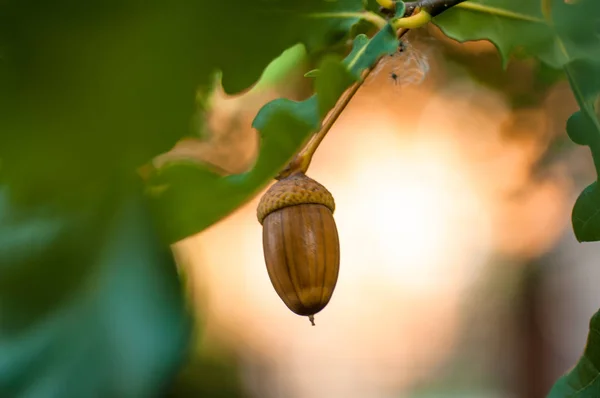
194, 197
583, 381
90, 303
105, 86
509, 24
565, 36
400, 10
586, 214
577, 28
280, 68
584, 129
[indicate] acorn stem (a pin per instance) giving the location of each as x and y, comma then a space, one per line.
311, 318
301, 162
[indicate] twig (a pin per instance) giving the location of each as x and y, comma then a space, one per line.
433, 7
301, 161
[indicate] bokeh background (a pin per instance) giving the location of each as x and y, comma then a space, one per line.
459, 276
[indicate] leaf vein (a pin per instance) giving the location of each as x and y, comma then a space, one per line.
498, 12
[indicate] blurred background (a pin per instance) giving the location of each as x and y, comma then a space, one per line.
460, 275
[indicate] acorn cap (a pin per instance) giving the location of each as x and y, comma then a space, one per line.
293, 190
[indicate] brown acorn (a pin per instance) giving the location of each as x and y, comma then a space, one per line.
300, 243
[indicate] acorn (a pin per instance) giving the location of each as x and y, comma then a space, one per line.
300, 242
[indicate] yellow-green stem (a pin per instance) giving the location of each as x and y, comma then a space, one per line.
389, 4
418, 20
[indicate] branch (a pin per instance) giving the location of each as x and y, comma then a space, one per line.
301, 162
417, 14
433, 7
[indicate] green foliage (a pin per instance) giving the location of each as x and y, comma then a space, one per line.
583, 381
564, 36
510, 24
193, 197
279, 69
88, 88
584, 129
90, 302
400, 10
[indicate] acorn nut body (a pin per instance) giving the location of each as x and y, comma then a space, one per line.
300, 243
